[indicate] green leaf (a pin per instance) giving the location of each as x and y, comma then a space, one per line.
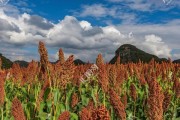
42, 105
85, 100
43, 116
74, 116
56, 96
62, 107
49, 104
46, 93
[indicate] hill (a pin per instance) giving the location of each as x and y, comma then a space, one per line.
6, 63
129, 53
176, 61
78, 62
21, 63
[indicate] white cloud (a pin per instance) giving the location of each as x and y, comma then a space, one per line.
148, 6
153, 39
156, 46
96, 10
81, 38
168, 32
99, 11
85, 25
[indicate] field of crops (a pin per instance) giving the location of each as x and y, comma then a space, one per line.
63, 91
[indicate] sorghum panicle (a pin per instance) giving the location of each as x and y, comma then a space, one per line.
99, 60
155, 101
124, 100
103, 113
85, 114
43, 54
64, 116
112, 75
61, 56
74, 100
16, 72
43, 61
103, 78
17, 110
167, 101
67, 74
133, 93
117, 104
2, 90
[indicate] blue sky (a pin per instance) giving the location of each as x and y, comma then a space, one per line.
55, 10
88, 27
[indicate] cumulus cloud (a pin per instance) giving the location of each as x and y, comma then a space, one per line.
70, 33
6, 26
85, 25
39, 22
157, 46
74, 36
168, 32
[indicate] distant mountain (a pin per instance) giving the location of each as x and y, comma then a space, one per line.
78, 62
21, 63
129, 53
6, 63
176, 61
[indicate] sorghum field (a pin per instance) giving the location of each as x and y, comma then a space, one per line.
63, 91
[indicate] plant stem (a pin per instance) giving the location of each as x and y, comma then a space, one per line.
174, 110
134, 113
104, 97
2, 111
